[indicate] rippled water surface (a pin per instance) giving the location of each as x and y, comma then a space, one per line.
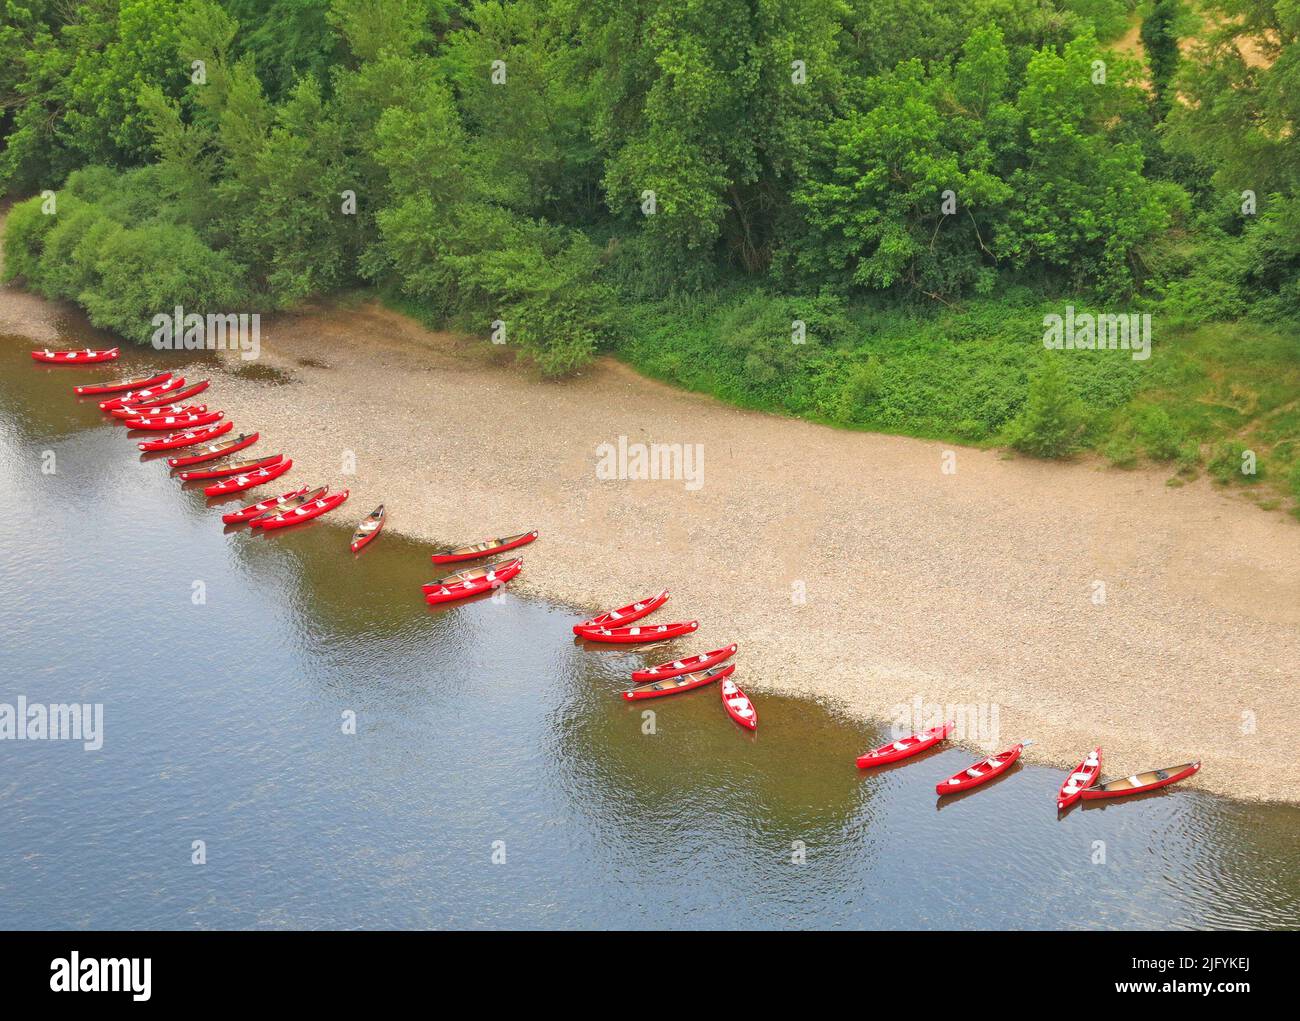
479, 727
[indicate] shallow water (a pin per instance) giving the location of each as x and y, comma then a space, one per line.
482, 729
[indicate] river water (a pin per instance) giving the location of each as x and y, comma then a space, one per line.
493, 779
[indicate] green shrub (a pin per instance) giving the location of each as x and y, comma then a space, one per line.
25, 233
1120, 452
143, 271
861, 386
1228, 463
1156, 432
1053, 421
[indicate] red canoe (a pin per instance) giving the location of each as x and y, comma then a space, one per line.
464, 584
84, 357
186, 439
118, 385
238, 483
683, 666
683, 682
154, 410
275, 504
738, 706
368, 529
487, 547
224, 471
314, 509
985, 769
170, 397
163, 391
638, 633
913, 745
1140, 782
1083, 776
624, 614
215, 450
161, 422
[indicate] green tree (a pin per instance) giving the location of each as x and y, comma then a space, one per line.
1053, 419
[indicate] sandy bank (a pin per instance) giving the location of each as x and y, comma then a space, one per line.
974, 587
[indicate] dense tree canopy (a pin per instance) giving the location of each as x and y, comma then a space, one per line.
538, 163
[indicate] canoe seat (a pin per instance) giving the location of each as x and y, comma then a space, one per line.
973, 773
1092, 760
901, 746
1079, 777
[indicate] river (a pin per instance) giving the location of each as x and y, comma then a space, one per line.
493, 779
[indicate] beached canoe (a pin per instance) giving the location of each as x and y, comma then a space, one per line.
168, 397
1083, 776
161, 391
224, 471
313, 509
905, 747
272, 505
472, 582
368, 528
636, 634
684, 666
1139, 783
119, 385
980, 772
133, 411
487, 547
738, 705
214, 450
83, 357
187, 438
292, 504
683, 682
161, 422
238, 483
624, 614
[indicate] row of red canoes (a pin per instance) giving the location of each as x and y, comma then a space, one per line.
162, 403
625, 626
1080, 782
158, 403
474, 581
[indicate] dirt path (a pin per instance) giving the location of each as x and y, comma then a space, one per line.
976, 588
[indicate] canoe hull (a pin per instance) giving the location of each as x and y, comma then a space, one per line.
186, 438
916, 744
736, 702
219, 450
1177, 773
624, 614
1079, 779
239, 483
362, 537
473, 587
166, 422
262, 506
676, 685
963, 781
637, 634
87, 357
163, 391
309, 511
460, 558
224, 472
121, 385
684, 666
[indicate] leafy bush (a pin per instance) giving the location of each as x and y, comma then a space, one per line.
1228, 462
1160, 437
1053, 420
